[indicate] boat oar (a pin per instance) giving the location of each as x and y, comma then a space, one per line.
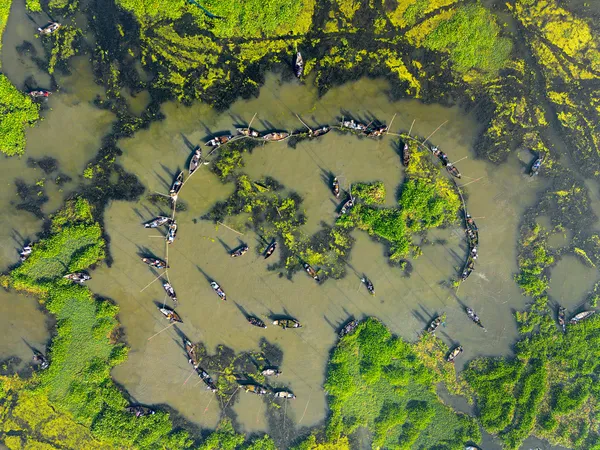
164, 329
250, 124
470, 182
158, 277
434, 131
221, 223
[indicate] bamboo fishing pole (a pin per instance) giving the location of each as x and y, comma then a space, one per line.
470, 182
221, 223
305, 408
461, 159
390, 125
189, 376
434, 131
209, 402
303, 123
250, 124
411, 127
157, 278
164, 329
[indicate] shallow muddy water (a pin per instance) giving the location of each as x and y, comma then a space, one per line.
157, 369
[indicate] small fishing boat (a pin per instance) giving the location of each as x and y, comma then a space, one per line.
287, 323
218, 290
471, 447
170, 314
535, 168
155, 262
474, 317
284, 394
170, 291
52, 27
435, 324
172, 232
40, 359
139, 411
218, 141
562, 314
581, 316
454, 353
177, 184
254, 389
369, 285
157, 222
191, 353
335, 187
299, 65
348, 328
270, 249
452, 170
441, 155
405, 155
256, 322
347, 205
270, 372
24, 254
352, 125
377, 131
40, 93
78, 277
312, 272
208, 381
468, 270
239, 251
195, 161
276, 136
248, 132
320, 131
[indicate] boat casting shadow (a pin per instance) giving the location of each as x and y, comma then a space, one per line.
208, 278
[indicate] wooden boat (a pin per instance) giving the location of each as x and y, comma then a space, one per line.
155, 262
312, 272
218, 290
270, 372
177, 184
78, 277
348, 328
435, 324
52, 27
468, 270
454, 353
352, 125
248, 132
270, 249
191, 353
254, 389
208, 381
474, 317
172, 232
171, 315
441, 155
157, 222
452, 170
287, 323
139, 411
40, 359
405, 155
24, 254
276, 136
40, 93
320, 131
218, 141
170, 291
299, 65
335, 187
471, 447
347, 205
256, 322
535, 168
581, 316
284, 394
377, 131
195, 161
562, 314
239, 251
369, 285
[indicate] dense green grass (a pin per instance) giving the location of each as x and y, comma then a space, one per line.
379, 381
16, 112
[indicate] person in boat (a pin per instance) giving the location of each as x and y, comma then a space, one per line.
346, 206
270, 249
39, 94
240, 251
319, 131
348, 328
335, 185
170, 291
369, 285
312, 272
24, 254
50, 28
40, 359
172, 232
256, 322
218, 290
285, 394
270, 372
474, 252
287, 323
175, 189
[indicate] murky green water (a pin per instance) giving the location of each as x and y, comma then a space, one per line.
157, 370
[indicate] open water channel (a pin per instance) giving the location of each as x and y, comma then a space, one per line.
157, 368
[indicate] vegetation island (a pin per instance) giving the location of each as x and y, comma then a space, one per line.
530, 70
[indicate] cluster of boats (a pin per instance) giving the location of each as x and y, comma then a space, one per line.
473, 241
451, 168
